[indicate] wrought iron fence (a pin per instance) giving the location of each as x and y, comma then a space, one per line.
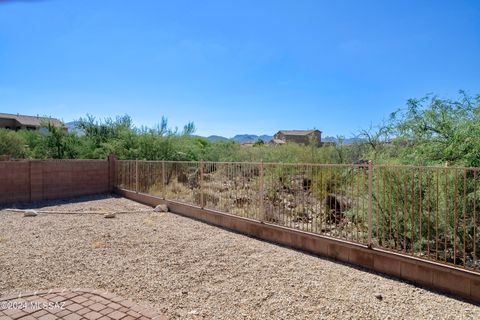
426, 212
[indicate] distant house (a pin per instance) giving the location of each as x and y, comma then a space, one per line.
299, 136
18, 122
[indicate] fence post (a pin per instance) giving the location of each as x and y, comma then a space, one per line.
112, 172
370, 202
262, 208
202, 204
136, 176
163, 180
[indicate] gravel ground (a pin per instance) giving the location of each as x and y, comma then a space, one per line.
187, 269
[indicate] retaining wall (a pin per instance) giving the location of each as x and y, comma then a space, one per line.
448, 279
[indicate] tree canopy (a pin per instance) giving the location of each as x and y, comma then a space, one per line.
429, 130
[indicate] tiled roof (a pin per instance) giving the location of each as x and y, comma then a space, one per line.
34, 121
297, 132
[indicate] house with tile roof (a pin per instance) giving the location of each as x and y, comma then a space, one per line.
18, 122
299, 136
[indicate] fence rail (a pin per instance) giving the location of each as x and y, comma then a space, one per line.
426, 212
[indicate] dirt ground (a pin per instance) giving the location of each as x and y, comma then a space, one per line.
188, 269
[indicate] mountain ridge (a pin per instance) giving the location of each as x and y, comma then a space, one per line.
243, 138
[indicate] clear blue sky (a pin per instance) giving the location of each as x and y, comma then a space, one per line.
235, 66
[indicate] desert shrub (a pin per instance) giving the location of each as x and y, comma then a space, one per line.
430, 210
432, 130
11, 144
49, 143
222, 151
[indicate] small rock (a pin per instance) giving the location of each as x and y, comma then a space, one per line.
30, 213
161, 208
109, 215
379, 296
193, 312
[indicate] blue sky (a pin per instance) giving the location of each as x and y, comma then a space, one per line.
235, 66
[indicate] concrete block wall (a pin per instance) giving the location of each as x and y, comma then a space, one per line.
14, 181
63, 179
24, 181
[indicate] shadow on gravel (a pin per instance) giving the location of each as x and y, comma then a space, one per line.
47, 203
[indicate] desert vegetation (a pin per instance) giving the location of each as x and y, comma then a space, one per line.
426, 131
427, 208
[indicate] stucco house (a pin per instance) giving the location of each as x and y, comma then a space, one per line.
18, 122
299, 136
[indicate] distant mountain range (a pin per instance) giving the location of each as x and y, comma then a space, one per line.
241, 138
72, 127
217, 138
345, 140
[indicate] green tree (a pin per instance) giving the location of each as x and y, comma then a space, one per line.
11, 144
435, 130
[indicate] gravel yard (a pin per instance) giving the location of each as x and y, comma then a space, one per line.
187, 269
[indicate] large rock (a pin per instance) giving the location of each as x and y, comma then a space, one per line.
337, 205
109, 215
30, 213
161, 208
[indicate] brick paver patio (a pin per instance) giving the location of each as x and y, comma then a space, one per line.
72, 305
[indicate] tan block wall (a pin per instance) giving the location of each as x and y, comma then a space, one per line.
53, 179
